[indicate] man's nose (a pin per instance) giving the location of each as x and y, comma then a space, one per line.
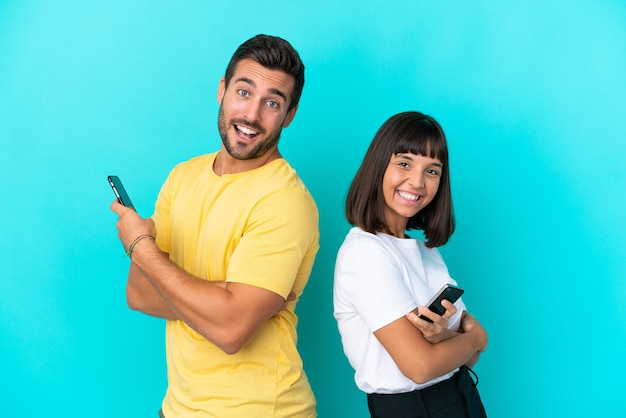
252, 112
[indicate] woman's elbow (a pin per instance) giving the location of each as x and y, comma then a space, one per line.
420, 378
420, 374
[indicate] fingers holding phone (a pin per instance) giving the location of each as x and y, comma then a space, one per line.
434, 327
129, 224
432, 319
448, 292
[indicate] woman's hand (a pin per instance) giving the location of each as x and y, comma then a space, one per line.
469, 323
436, 331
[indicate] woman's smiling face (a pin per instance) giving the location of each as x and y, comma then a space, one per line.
410, 183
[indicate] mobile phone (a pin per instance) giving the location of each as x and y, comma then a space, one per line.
120, 191
448, 292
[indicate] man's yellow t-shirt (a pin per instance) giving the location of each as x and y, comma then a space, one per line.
260, 228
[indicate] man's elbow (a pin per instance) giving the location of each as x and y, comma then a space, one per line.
139, 302
132, 300
135, 306
229, 342
231, 349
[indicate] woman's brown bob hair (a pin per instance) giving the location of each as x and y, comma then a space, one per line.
407, 132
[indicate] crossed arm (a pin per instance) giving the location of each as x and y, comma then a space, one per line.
424, 351
227, 314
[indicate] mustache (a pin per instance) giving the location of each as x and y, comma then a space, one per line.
253, 125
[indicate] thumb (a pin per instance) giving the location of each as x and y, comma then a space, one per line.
118, 208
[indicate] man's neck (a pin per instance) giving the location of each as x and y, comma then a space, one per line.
225, 164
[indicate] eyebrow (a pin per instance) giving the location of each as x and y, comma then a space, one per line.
253, 84
407, 156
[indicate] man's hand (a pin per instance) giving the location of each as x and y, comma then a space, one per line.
130, 225
290, 298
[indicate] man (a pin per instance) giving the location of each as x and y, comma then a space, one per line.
236, 234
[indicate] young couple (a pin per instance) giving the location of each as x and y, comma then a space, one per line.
231, 244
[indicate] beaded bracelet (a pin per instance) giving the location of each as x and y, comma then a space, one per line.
139, 238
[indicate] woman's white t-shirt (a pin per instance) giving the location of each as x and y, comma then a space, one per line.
378, 279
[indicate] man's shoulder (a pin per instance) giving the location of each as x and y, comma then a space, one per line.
197, 161
280, 175
194, 166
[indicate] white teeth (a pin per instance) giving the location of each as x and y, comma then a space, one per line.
409, 196
246, 131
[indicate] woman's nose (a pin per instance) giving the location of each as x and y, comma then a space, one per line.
416, 180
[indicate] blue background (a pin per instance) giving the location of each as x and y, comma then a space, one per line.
531, 95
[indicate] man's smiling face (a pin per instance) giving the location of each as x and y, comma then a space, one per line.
253, 110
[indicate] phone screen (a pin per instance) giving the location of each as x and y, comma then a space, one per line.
120, 191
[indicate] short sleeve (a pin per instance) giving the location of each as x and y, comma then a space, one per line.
279, 243
161, 215
368, 279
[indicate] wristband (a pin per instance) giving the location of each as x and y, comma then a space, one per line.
135, 242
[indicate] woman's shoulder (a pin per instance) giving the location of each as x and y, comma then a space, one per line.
359, 243
356, 236
431, 254
357, 239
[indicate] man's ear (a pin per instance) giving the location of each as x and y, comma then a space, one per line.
290, 115
221, 89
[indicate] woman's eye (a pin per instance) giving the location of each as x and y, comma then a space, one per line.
432, 172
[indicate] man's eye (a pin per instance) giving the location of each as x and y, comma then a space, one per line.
272, 103
243, 92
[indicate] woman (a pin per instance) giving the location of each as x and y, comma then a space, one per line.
408, 367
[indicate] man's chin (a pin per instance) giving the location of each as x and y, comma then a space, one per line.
241, 151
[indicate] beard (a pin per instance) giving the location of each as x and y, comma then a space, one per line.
241, 150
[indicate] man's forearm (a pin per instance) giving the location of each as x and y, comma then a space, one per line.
228, 315
142, 296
